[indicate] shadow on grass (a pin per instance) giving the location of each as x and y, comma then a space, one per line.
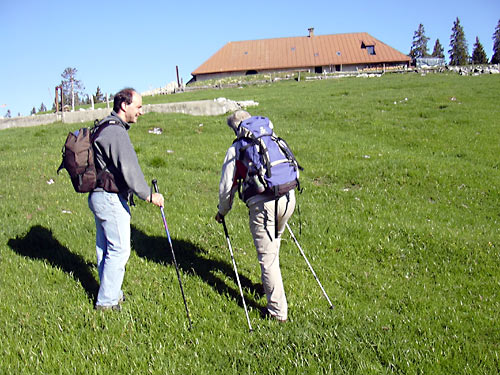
39, 243
191, 260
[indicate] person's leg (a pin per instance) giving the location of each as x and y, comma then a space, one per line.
113, 215
101, 244
286, 207
262, 228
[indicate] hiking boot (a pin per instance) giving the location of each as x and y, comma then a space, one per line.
277, 318
122, 299
109, 307
267, 315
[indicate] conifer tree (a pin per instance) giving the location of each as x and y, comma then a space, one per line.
98, 97
438, 50
495, 59
478, 54
458, 51
419, 45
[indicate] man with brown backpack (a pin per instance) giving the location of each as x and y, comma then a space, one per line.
119, 178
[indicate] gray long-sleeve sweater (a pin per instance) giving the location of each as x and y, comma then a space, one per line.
114, 151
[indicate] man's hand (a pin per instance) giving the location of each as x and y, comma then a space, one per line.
219, 218
156, 199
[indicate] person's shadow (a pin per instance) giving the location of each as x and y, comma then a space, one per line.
39, 243
191, 260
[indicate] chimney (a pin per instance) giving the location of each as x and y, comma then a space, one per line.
311, 32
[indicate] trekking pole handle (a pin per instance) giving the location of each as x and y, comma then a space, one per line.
155, 185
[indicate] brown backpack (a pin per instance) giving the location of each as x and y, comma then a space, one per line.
78, 157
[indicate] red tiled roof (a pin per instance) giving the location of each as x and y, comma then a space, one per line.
300, 52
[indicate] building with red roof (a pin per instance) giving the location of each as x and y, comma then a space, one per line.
351, 52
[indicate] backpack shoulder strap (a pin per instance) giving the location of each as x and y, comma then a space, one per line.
242, 149
99, 126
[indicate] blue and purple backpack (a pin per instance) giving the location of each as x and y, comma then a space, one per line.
272, 167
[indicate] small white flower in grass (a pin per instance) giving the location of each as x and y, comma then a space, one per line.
50, 182
157, 131
66, 212
170, 151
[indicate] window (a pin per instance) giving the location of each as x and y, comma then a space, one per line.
370, 48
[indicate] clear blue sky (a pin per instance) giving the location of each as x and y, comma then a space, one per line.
115, 44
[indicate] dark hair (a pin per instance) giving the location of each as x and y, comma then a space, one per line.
125, 95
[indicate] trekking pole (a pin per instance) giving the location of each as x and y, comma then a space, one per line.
309, 264
154, 182
236, 273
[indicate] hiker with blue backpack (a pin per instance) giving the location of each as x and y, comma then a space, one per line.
261, 167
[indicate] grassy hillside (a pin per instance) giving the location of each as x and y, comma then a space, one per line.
399, 217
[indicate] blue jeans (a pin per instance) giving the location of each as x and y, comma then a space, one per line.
112, 221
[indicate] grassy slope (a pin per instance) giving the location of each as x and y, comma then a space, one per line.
399, 217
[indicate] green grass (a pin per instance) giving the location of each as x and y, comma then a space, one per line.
399, 217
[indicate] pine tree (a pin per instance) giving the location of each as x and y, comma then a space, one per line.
8, 115
98, 97
33, 111
478, 54
438, 50
495, 59
458, 51
42, 108
419, 45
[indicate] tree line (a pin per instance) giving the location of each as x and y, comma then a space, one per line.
459, 50
73, 94
73, 91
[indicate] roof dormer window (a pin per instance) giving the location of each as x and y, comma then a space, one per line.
370, 48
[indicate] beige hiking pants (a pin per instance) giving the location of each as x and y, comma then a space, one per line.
262, 227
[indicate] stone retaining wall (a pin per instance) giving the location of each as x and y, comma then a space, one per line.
196, 108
